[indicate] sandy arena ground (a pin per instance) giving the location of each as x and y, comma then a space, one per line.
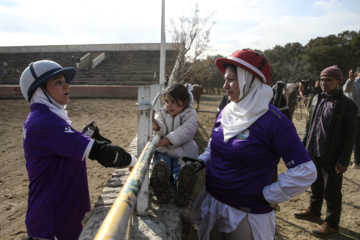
117, 120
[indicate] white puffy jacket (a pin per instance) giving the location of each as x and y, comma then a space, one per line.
180, 130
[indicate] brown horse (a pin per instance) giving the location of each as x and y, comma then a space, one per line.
197, 91
291, 95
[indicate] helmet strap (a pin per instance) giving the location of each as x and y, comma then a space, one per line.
262, 64
46, 94
252, 80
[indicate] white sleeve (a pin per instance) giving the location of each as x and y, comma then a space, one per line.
88, 149
290, 184
133, 160
205, 156
348, 86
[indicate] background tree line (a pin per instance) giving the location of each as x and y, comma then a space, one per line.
289, 63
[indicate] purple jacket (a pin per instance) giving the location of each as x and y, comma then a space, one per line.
240, 168
58, 189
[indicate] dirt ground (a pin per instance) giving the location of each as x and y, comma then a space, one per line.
117, 120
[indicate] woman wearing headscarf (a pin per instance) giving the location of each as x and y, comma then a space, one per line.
55, 154
248, 139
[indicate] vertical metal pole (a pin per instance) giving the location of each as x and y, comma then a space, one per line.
162, 49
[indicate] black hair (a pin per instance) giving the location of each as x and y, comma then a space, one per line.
234, 67
178, 92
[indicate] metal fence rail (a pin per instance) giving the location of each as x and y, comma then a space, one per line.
116, 221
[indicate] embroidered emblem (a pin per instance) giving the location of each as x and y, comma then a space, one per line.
243, 135
68, 130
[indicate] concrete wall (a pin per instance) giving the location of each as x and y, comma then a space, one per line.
80, 91
97, 60
86, 48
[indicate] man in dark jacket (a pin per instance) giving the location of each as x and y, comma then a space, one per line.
329, 137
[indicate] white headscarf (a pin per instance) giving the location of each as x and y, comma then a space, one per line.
40, 97
252, 104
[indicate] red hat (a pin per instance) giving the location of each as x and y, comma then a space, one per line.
249, 60
332, 71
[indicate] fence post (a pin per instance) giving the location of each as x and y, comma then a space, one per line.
145, 108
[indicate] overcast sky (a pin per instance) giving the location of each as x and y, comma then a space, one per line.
239, 23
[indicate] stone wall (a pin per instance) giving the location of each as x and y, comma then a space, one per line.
79, 91
124, 64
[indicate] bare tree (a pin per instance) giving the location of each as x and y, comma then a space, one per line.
191, 39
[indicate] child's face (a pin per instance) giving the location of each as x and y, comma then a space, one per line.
58, 89
172, 106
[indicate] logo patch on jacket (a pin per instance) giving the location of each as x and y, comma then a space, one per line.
68, 130
243, 135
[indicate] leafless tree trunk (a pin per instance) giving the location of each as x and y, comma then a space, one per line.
190, 39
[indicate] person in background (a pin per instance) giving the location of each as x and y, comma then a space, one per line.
72, 61
5, 68
329, 138
78, 62
190, 88
55, 154
248, 139
176, 125
351, 89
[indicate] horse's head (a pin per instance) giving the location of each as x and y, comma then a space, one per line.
306, 87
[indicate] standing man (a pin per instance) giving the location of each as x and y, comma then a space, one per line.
5, 67
72, 61
329, 138
78, 62
352, 90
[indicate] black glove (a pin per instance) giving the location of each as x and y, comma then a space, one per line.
197, 164
109, 155
91, 130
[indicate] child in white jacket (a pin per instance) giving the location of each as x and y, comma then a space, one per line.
176, 124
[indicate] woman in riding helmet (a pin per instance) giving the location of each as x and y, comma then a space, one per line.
248, 139
55, 154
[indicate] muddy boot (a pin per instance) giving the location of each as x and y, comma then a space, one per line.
185, 185
160, 182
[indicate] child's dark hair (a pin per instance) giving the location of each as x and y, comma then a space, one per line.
178, 92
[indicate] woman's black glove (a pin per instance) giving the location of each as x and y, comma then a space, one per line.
91, 130
197, 164
109, 155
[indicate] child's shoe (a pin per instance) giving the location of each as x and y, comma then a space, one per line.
160, 182
185, 185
